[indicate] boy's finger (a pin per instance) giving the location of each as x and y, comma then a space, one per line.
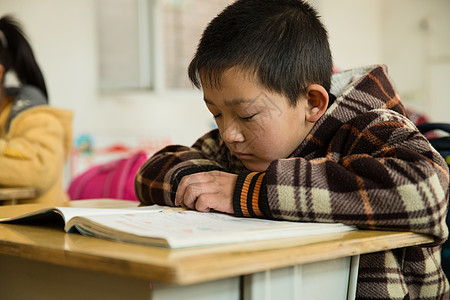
189, 180
179, 196
196, 190
214, 202
190, 196
205, 202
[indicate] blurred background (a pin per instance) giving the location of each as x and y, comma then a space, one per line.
120, 65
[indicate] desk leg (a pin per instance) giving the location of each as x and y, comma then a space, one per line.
320, 280
353, 278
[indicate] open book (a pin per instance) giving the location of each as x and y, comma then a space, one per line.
173, 227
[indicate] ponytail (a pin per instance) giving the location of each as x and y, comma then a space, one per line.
16, 54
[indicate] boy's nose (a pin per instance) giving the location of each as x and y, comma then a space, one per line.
232, 133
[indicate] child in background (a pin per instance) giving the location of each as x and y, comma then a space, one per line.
35, 139
295, 142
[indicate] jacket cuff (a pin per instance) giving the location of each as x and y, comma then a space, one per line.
250, 195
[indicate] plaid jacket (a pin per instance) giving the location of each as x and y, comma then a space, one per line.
364, 163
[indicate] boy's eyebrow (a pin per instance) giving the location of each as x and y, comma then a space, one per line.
232, 102
208, 102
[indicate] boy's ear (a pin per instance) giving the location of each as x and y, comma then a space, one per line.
317, 98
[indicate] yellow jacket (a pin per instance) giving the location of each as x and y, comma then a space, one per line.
34, 147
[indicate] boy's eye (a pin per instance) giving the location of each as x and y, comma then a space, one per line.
247, 118
216, 116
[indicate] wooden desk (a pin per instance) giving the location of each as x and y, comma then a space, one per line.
43, 262
11, 195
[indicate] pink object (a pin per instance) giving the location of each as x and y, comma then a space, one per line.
112, 180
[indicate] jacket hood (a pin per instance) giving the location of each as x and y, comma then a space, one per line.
365, 88
357, 91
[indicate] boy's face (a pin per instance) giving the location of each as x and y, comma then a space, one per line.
257, 125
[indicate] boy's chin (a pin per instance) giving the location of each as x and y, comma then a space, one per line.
256, 167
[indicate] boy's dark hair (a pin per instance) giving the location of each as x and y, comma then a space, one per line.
282, 42
16, 54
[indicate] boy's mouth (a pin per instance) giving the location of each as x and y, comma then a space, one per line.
241, 155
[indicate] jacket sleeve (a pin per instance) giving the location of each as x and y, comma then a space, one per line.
34, 150
379, 173
157, 180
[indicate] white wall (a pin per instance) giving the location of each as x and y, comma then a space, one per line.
354, 30
416, 47
410, 36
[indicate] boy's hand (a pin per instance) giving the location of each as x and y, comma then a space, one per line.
207, 191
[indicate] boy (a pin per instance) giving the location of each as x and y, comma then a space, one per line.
287, 149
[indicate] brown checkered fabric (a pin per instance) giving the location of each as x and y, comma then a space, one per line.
364, 163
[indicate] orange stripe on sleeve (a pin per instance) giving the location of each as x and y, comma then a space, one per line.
255, 196
244, 193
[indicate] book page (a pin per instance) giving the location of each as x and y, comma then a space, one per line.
71, 212
191, 228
